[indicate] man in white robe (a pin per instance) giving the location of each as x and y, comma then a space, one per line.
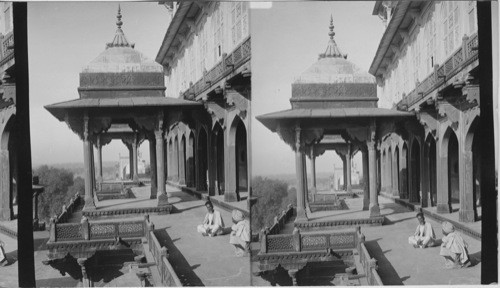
213, 224
240, 234
454, 248
424, 234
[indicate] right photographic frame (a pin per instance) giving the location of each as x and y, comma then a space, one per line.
373, 143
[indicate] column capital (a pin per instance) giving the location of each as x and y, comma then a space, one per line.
85, 127
159, 134
371, 145
298, 143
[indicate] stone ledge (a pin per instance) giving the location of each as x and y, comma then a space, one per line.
123, 211
8, 231
340, 223
435, 216
305, 255
99, 243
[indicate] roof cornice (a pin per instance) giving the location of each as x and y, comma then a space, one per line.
389, 33
172, 31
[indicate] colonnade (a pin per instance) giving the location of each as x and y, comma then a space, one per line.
440, 170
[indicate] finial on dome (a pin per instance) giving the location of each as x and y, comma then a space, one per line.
331, 33
332, 51
119, 40
119, 17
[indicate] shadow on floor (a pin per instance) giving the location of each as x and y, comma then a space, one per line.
58, 282
11, 258
386, 271
184, 270
475, 258
177, 210
277, 277
387, 221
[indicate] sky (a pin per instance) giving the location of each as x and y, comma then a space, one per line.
62, 39
286, 40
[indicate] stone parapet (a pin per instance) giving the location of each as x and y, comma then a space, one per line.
339, 223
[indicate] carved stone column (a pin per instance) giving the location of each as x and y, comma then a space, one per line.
293, 274
366, 177
374, 208
85, 278
130, 162
313, 174
135, 164
99, 159
230, 157
175, 160
182, 162
160, 162
152, 161
189, 162
306, 188
344, 171
403, 173
299, 168
92, 166
348, 160
5, 183
443, 199
466, 212
424, 176
87, 161
395, 173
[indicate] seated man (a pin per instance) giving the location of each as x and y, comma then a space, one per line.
454, 248
212, 224
424, 234
240, 234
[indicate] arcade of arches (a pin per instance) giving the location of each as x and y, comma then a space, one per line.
209, 157
437, 167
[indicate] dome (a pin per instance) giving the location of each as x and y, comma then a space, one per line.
118, 59
120, 56
334, 70
334, 82
121, 71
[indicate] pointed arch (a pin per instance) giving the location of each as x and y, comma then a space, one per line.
238, 158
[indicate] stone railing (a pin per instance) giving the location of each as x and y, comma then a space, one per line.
460, 58
309, 241
102, 230
67, 210
280, 220
160, 254
369, 264
6, 50
109, 187
220, 70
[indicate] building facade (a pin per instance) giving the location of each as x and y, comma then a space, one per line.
206, 57
427, 63
8, 171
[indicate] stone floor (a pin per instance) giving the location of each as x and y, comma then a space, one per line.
198, 260
400, 263
8, 274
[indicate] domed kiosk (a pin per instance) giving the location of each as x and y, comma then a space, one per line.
333, 100
122, 96
334, 107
